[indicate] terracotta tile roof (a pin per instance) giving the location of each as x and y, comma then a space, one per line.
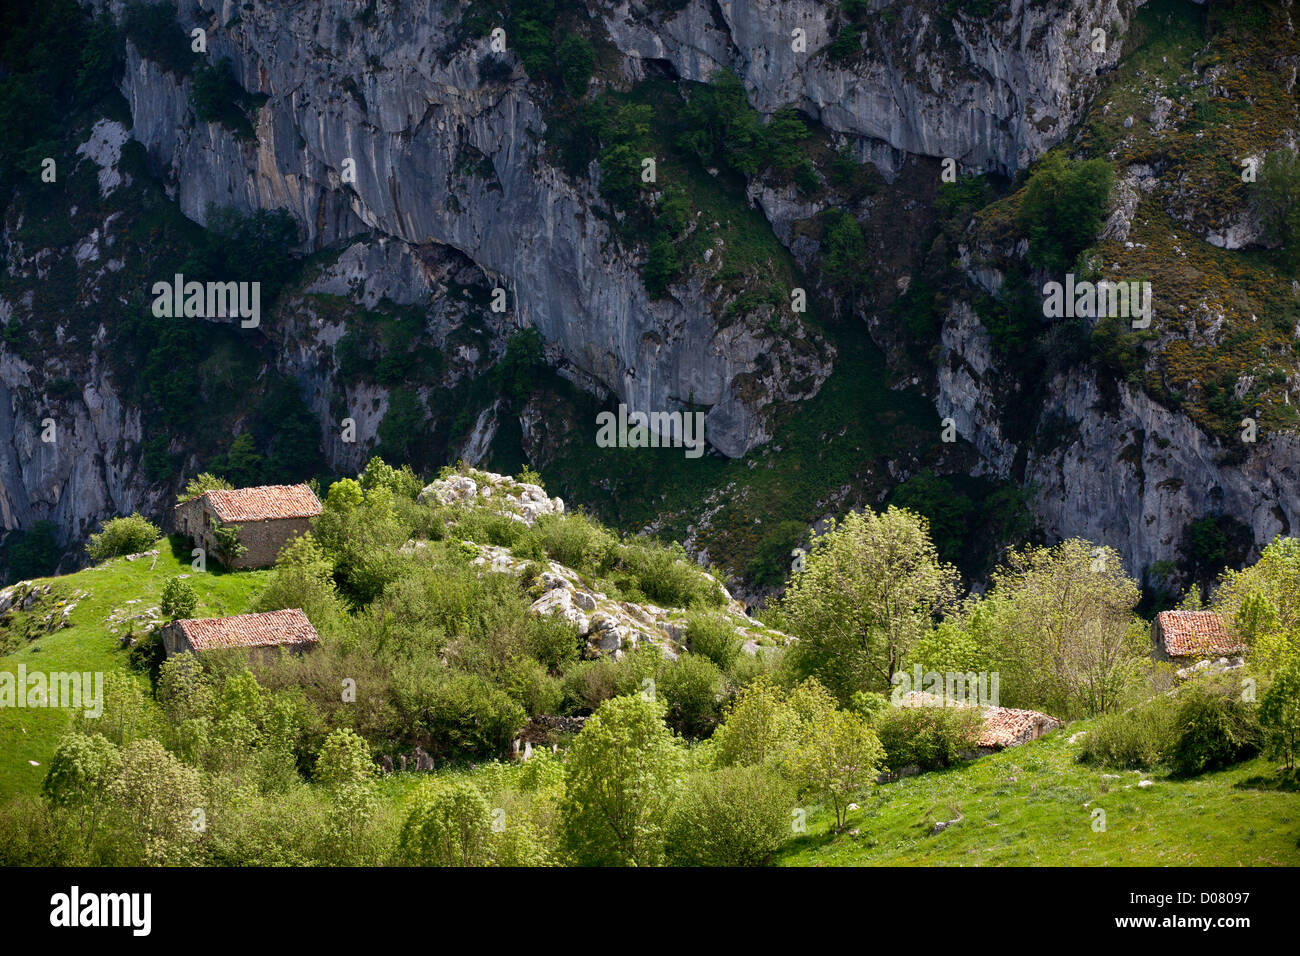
259, 504
269, 629
1003, 726
1196, 634
1006, 726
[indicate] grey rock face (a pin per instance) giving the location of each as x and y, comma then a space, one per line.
410, 130
86, 471
1130, 473
993, 94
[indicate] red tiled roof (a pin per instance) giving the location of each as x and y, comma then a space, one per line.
1003, 726
1006, 726
1196, 634
270, 629
260, 504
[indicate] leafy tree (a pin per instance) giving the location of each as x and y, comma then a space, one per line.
118, 536
202, 483
837, 761
1063, 208
1062, 629
154, 30
303, 578
154, 798
575, 59
241, 464
217, 97
1279, 715
662, 266
624, 129
622, 775
844, 252
78, 776
450, 824
765, 723
228, 546
1274, 619
185, 694
1275, 198
871, 588
344, 758
517, 372
178, 599
721, 128
123, 715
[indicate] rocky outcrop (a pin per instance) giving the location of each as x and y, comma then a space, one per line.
610, 625
521, 500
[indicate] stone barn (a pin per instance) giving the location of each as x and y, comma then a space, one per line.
267, 517
263, 632
1187, 636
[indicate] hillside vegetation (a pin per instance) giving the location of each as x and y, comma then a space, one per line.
683, 731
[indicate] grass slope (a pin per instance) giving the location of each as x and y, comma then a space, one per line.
1032, 806
32, 734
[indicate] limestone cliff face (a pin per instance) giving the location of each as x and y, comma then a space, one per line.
383, 140
417, 128
991, 91
88, 467
1122, 469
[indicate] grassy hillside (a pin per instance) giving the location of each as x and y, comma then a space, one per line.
87, 645
1032, 806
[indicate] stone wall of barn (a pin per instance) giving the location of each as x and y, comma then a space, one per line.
265, 539
173, 640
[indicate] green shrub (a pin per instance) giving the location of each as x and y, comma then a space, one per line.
217, 97
736, 816
1063, 208
200, 484
576, 541
869, 705
666, 576
575, 59
154, 30
450, 824
1136, 739
692, 689
178, 599
1213, 729
466, 716
228, 545
118, 536
1276, 200
1279, 715
712, 634
344, 759
929, 737
588, 684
